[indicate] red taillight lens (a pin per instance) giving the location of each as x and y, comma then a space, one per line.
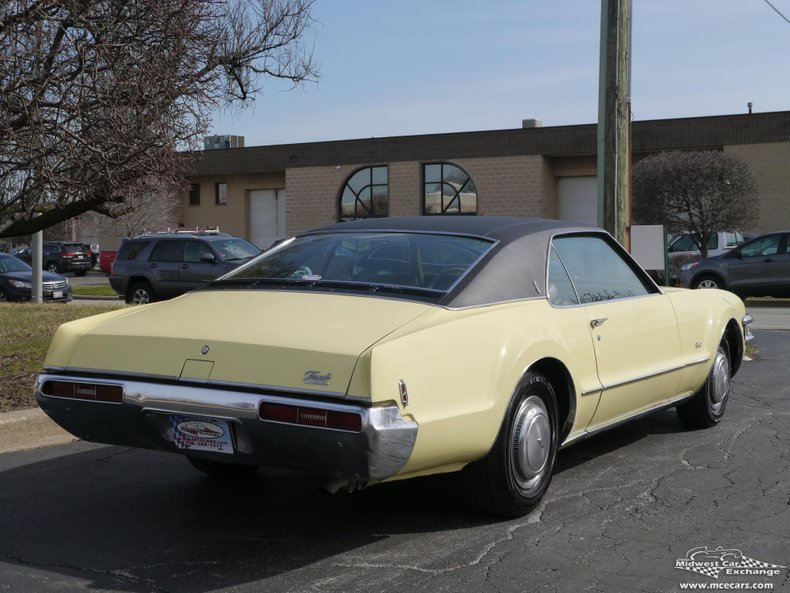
98, 392
306, 416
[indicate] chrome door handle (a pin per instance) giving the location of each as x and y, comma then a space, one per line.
598, 322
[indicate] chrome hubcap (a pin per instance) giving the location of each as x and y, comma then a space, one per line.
720, 384
707, 284
531, 443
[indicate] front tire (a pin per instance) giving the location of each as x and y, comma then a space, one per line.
709, 281
511, 480
706, 407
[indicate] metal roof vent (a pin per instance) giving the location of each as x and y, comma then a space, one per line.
531, 123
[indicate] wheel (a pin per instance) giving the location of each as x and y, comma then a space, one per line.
80, 272
220, 468
708, 282
52, 267
514, 476
140, 293
706, 407
3, 297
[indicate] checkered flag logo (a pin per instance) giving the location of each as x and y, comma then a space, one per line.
711, 563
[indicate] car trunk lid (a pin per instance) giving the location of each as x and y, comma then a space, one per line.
278, 339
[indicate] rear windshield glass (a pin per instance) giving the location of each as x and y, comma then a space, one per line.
411, 260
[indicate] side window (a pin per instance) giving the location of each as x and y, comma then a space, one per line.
597, 271
194, 250
49, 249
684, 243
713, 242
762, 246
131, 249
559, 287
168, 251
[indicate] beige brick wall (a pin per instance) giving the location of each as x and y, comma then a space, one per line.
770, 165
232, 217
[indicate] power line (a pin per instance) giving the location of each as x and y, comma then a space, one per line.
777, 11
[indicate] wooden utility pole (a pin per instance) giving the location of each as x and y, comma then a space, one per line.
614, 120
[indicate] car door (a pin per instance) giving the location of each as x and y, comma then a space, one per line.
164, 265
199, 266
632, 326
755, 268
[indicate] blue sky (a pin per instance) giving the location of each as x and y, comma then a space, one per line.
391, 68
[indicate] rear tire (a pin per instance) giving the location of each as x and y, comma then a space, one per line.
221, 469
706, 407
511, 480
140, 293
80, 272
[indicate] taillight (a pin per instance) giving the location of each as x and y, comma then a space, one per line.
306, 416
98, 392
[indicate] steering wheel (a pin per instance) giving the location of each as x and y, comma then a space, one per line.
300, 272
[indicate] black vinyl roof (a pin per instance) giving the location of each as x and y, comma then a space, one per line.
514, 269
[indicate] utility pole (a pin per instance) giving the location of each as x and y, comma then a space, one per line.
614, 120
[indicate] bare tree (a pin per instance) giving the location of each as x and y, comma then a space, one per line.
146, 211
700, 192
98, 96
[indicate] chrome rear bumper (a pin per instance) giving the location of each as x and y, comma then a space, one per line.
143, 419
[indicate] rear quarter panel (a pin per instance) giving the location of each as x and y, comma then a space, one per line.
461, 368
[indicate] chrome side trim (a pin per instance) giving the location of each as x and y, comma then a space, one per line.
650, 376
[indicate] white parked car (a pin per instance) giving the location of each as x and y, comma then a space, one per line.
683, 248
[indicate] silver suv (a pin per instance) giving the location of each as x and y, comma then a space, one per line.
148, 268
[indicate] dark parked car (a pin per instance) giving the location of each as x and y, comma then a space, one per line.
61, 256
154, 267
16, 280
760, 267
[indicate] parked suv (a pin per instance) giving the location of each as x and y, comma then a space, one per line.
61, 256
153, 267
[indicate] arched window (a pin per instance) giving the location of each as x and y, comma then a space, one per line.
365, 194
448, 189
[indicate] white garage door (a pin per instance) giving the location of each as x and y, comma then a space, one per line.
267, 216
578, 197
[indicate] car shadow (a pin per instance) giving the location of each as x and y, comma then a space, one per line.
136, 520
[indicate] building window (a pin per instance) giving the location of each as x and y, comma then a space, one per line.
194, 194
448, 189
221, 196
365, 194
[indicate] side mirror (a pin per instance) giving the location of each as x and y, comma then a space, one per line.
208, 258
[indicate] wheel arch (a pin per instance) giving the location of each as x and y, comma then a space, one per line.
561, 381
735, 342
716, 275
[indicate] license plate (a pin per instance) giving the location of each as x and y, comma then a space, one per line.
202, 434
57, 294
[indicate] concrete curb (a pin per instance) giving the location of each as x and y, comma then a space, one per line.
30, 429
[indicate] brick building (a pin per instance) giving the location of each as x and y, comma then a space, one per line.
269, 192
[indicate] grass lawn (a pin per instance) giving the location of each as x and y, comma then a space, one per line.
93, 290
25, 333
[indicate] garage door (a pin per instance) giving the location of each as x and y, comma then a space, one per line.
267, 216
578, 199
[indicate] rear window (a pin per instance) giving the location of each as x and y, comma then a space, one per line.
73, 248
409, 260
131, 249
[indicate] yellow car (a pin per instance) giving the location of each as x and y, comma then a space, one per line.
389, 348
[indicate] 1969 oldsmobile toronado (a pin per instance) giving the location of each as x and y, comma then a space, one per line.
389, 348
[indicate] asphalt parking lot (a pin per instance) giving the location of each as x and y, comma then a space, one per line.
622, 509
